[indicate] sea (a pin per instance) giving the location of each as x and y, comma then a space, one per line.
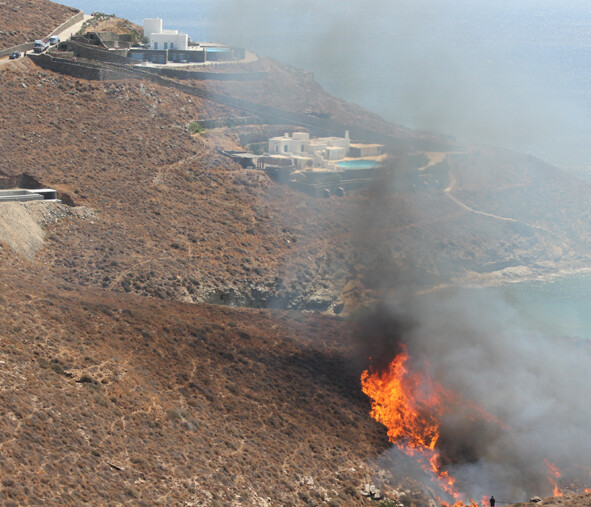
503, 73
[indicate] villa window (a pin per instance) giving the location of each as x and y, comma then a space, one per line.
302, 148
276, 149
172, 45
285, 148
166, 45
155, 45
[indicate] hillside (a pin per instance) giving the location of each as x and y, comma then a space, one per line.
175, 219
112, 398
26, 20
185, 331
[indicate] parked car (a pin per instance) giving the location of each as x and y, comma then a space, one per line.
14, 55
39, 46
53, 40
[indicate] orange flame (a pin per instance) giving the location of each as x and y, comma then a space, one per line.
410, 406
553, 477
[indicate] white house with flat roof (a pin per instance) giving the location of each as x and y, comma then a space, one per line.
300, 144
306, 152
164, 39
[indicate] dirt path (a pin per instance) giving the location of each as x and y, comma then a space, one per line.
68, 32
450, 187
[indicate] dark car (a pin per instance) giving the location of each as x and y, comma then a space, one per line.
14, 55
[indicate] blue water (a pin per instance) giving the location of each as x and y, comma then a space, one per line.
560, 307
513, 74
357, 164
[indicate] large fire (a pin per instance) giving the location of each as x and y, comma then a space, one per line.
411, 406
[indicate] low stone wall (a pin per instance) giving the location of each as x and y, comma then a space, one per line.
201, 75
96, 53
233, 121
21, 47
79, 70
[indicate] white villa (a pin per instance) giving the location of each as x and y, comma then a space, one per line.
307, 152
164, 39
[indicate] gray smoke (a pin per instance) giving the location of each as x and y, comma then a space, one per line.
476, 345
464, 68
422, 63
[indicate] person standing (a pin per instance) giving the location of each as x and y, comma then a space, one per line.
492, 501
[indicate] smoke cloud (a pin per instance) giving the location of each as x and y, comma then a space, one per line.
476, 345
472, 69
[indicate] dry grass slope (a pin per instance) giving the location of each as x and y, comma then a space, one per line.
113, 398
26, 20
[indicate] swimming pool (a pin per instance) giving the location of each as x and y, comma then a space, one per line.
358, 164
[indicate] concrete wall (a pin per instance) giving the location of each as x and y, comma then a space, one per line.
20, 195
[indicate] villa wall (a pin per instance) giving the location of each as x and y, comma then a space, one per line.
82, 70
96, 53
188, 55
164, 39
169, 41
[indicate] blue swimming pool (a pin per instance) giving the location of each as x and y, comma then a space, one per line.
358, 164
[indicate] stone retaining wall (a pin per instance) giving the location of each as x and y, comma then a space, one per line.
96, 53
201, 75
79, 70
21, 47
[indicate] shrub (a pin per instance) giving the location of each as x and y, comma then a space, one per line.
194, 127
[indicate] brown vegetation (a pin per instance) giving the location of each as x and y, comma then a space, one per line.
26, 20
110, 398
113, 390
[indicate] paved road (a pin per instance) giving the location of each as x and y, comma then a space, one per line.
66, 34
63, 35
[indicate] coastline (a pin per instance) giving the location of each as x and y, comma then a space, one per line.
506, 277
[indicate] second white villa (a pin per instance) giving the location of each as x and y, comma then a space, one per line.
321, 152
